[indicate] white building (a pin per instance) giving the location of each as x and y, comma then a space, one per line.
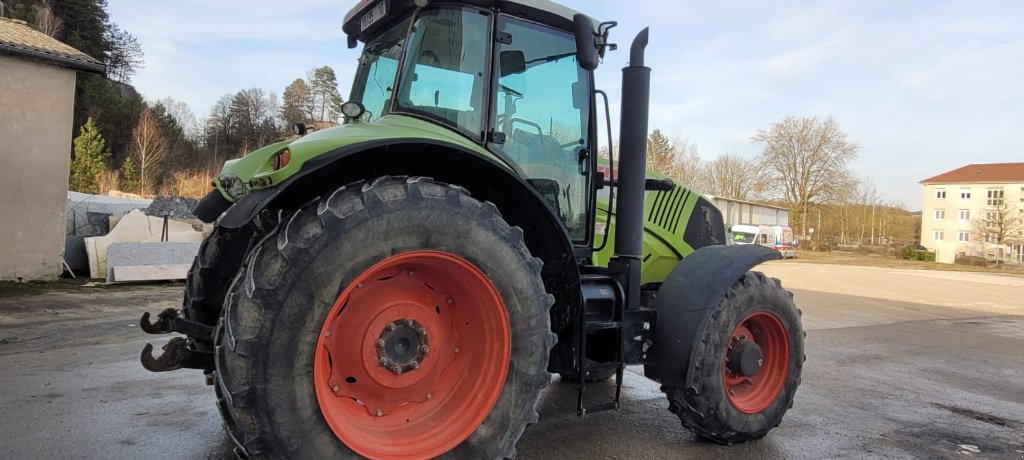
739, 212
976, 210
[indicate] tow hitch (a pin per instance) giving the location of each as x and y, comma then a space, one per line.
177, 352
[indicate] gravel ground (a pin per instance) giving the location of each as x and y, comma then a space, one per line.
901, 364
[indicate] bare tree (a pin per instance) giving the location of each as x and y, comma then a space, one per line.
805, 160
183, 115
149, 148
675, 158
689, 169
732, 176
1001, 225
47, 22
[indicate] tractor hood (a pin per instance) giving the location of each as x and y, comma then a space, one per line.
271, 165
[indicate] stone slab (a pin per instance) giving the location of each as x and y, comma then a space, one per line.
128, 273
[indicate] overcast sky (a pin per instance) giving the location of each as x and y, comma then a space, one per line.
923, 86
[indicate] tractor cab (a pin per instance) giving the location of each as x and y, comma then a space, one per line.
504, 75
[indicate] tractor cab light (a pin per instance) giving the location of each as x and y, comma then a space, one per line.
352, 110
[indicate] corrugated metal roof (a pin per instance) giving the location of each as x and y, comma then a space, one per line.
16, 37
987, 173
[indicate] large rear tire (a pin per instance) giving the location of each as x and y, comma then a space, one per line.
394, 319
748, 364
218, 261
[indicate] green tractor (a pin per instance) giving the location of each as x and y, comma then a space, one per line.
404, 285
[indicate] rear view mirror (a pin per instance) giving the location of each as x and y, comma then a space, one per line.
512, 62
586, 50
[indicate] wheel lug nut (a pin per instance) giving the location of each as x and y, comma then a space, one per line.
423, 331
409, 322
456, 349
415, 365
430, 396
450, 301
336, 388
397, 370
383, 362
392, 326
381, 343
380, 413
425, 349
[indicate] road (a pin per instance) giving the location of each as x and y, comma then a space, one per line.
900, 364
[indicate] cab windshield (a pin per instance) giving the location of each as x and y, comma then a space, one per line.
443, 73
525, 98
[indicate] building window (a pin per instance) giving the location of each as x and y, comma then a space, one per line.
992, 238
994, 197
937, 235
965, 214
940, 194
992, 219
965, 194
963, 237
940, 214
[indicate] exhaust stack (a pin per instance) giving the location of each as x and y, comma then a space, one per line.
629, 208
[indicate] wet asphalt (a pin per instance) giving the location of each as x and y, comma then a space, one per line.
900, 364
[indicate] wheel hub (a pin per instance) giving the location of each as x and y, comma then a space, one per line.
412, 356
402, 346
756, 363
745, 358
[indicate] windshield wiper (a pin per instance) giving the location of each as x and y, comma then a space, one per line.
378, 49
552, 58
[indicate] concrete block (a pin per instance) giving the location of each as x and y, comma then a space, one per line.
163, 259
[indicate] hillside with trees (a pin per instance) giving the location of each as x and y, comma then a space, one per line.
165, 147
127, 143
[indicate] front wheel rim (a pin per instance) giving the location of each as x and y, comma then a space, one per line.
413, 356
753, 391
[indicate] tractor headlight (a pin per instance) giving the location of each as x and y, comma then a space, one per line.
233, 186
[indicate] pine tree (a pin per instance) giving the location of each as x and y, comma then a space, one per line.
661, 154
326, 99
129, 176
88, 164
298, 102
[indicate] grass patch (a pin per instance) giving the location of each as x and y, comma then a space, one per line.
853, 259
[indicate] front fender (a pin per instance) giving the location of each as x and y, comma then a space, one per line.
685, 301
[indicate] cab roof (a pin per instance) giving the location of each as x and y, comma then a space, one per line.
543, 11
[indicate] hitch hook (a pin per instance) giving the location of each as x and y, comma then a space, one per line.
176, 355
163, 324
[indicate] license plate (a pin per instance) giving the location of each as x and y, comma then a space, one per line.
376, 13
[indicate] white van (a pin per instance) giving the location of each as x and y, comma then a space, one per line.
776, 237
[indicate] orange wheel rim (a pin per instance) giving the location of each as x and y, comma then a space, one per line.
412, 356
756, 362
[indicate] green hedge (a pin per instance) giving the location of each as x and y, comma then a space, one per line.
910, 253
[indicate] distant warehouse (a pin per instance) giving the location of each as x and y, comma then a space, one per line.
739, 212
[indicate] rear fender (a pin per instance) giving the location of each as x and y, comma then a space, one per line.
685, 301
485, 178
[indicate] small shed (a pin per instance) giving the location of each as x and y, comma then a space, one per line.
37, 101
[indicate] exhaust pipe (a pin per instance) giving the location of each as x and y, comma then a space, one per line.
629, 207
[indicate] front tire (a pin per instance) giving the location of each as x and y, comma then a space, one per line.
748, 364
398, 318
